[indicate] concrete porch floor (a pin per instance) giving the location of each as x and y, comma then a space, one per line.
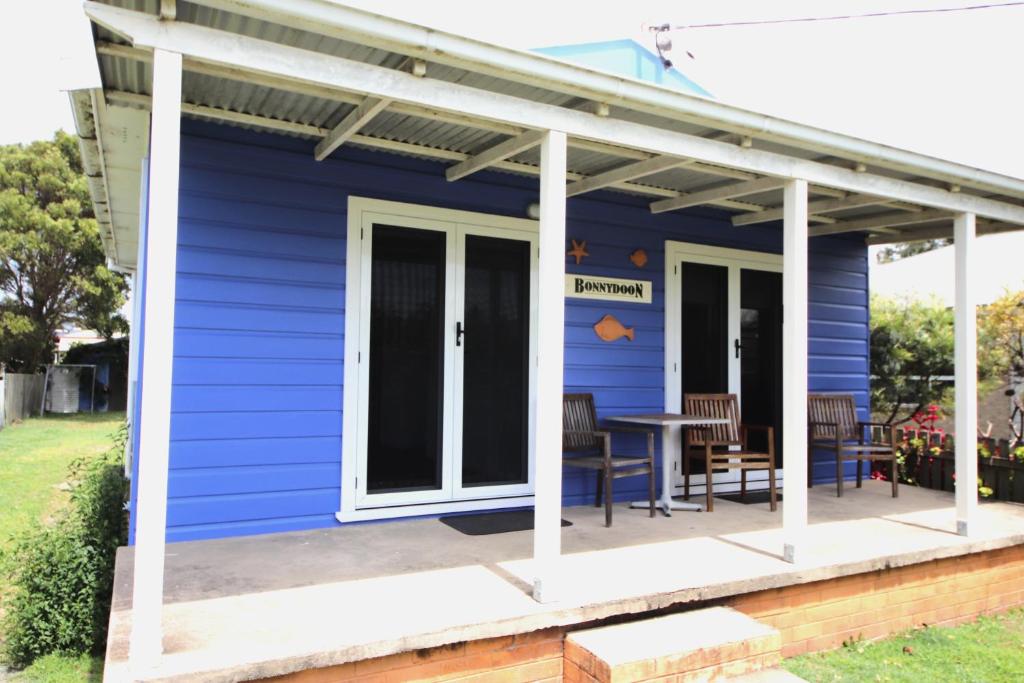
260, 606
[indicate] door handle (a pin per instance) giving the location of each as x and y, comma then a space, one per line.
736, 344
459, 331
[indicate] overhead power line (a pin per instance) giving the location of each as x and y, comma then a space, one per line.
840, 17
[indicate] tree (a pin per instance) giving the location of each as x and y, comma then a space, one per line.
1001, 350
52, 266
905, 249
911, 348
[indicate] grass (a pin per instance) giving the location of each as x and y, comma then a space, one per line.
989, 649
34, 459
62, 669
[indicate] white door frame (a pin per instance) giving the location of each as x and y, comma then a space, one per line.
735, 260
356, 504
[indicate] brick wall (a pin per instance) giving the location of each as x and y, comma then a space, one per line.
811, 617
533, 656
821, 615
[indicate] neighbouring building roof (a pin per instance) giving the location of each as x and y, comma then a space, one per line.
625, 58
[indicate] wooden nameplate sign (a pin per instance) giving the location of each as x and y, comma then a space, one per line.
607, 288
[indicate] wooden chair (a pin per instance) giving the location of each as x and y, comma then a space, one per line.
832, 423
712, 444
580, 434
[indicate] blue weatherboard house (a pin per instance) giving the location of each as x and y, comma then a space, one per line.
369, 258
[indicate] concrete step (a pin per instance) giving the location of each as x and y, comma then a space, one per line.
776, 675
699, 645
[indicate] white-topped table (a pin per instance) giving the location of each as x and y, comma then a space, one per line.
667, 421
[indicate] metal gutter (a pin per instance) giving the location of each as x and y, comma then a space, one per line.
328, 18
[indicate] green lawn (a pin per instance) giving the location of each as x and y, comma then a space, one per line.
34, 459
990, 649
61, 669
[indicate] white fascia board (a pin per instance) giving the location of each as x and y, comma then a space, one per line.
331, 19
264, 57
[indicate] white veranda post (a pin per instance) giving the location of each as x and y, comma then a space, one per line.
155, 414
966, 376
547, 534
794, 366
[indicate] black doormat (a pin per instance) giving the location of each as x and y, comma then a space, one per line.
486, 523
752, 498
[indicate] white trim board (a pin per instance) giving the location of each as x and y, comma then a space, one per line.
362, 213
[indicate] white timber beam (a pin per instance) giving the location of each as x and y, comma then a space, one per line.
625, 173
887, 222
794, 368
433, 114
168, 10
129, 99
349, 126
254, 56
965, 357
500, 152
818, 207
547, 526
942, 232
145, 645
367, 28
716, 194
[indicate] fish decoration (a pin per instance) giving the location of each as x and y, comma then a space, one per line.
579, 250
639, 258
609, 329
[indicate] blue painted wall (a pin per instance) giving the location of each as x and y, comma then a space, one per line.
257, 396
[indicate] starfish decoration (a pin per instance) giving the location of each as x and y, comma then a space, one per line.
579, 250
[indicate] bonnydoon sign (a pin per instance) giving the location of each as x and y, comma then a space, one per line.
608, 288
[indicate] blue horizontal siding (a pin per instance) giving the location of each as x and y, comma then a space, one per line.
259, 318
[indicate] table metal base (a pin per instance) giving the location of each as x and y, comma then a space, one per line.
667, 505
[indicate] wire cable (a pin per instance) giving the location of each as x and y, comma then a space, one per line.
840, 17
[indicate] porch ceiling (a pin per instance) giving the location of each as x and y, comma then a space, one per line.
310, 111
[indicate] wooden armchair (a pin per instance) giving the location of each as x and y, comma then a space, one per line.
580, 435
712, 444
832, 423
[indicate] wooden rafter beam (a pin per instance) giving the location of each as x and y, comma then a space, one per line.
622, 174
887, 223
253, 56
433, 114
130, 99
500, 152
349, 126
168, 10
940, 232
820, 206
714, 194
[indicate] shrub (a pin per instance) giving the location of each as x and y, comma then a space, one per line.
62, 575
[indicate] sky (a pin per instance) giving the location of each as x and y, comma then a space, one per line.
943, 84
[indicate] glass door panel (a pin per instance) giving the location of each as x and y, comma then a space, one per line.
495, 342
405, 429
761, 354
705, 333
